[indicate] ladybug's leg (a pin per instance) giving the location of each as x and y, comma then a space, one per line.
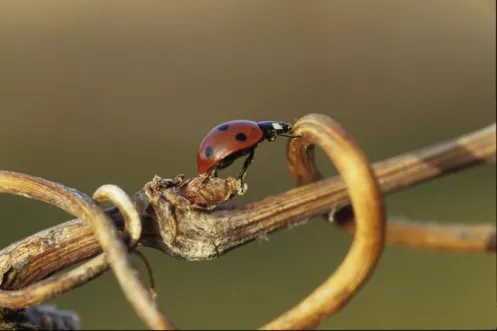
246, 164
211, 173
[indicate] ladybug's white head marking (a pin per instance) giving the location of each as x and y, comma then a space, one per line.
272, 129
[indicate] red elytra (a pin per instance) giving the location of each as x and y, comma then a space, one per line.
231, 140
222, 141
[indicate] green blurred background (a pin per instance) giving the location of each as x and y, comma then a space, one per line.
97, 92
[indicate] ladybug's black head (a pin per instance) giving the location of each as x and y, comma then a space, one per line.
272, 129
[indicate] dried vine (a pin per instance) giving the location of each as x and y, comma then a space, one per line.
186, 220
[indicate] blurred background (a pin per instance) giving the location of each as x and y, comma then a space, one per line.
95, 92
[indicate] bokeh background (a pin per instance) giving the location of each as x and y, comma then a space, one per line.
97, 92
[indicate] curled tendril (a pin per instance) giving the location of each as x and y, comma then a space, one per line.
115, 255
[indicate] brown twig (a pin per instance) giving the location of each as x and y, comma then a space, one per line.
177, 226
115, 252
53, 286
137, 294
227, 228
69, 200
431, 235
367, 202
408, 169
57, 284
120, 199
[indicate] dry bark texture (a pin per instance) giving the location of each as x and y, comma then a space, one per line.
184, 219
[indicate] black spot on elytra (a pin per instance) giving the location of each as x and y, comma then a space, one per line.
241, 136
209, 152
223, 127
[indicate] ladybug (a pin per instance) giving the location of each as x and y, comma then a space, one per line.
228, 141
